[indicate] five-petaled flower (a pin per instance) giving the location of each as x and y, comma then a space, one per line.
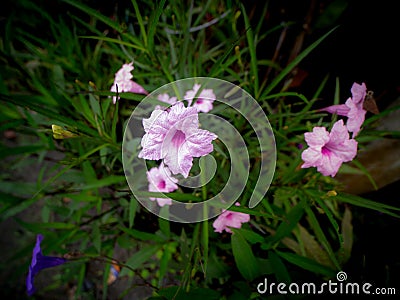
205, 98
40, 262
353, 108
327, 151
123, 82
229, 219
160, 180
174, 136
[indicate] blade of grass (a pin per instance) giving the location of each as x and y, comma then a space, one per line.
293, 63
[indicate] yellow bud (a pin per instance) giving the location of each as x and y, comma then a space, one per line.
60, 133
331, 193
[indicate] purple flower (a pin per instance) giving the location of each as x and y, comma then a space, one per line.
175, 137
40, 262
353, 108
205, 99
167, 99
160, 180
124, 83
327, 151
229, 219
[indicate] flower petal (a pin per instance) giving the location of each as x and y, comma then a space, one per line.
317, 138
356, 118
136, 88
330, 165
311, 158
340, 109
200, 142
358, 92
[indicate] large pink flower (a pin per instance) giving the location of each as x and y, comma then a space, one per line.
353, 108
327, 151
123, 82
175, 137
160, 180
230, 219
205, 99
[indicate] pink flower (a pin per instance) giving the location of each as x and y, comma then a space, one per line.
124, 83
205, 99
327, 151
167, 99
175, 137
230, 219
353, 108
160, 180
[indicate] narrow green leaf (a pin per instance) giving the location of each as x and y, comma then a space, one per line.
347, 232
288, 224
140, 235
307, 264
280, 270
110, 180
164, 226
96, 238
139, 258
252, 48
133, 204
321, 236
140, 21
5, 151
243, 255
293, 63
153, 22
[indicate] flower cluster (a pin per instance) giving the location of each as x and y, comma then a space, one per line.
353, 109
173, 136
327, 151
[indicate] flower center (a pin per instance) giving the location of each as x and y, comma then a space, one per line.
199, 101
178, 139
161, 185
325, 151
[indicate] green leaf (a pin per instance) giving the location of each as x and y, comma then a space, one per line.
243, 255
39, 227
133, 204
251, 236
287, 225
321, 236
293, 64
358, 201
5, 151
110, 180
139, 258
347, 233
96, 238
153, 22
140, 235
50, 113
252, 49
307, 264
280, 270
